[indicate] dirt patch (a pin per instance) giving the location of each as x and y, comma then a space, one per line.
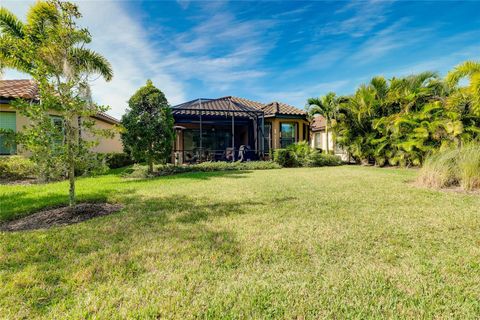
19, 182
60, 216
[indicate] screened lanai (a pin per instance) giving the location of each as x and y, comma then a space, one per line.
223, 129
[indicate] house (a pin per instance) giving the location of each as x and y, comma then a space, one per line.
318, 138
232, 128
11, 119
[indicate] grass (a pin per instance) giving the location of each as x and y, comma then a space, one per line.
453, 167
338, 242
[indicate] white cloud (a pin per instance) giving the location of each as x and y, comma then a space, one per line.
122, 40
219, 50
362, 17
299, 96
393, 37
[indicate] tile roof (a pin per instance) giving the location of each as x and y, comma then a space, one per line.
318, 123
241, 106
13, 89
279, 108
219, 107
28, 89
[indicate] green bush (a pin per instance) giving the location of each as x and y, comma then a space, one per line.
452, 167
90, 164
285, 158
118, 160
16, 168
318, 159
140, 171
301, 155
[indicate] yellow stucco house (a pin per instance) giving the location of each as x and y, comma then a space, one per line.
319, 140
10, 119
233, 128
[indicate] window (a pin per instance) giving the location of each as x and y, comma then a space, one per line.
8, 126
318, 140
287, 134
268, 137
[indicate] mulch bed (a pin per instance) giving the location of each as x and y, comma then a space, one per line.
60, 216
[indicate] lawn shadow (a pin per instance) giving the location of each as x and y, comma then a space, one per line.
198, 175
121, 246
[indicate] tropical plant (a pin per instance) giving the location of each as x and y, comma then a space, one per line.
51, 48
148, 125
302, 155
402, 120
326, 106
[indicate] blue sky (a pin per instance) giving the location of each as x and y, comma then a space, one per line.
286, 51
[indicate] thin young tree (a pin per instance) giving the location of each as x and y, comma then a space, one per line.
148, 126
51, 48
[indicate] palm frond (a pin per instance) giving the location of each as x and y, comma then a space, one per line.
461, 71
10, 24
86, 60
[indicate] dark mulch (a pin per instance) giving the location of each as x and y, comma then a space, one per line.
60, 216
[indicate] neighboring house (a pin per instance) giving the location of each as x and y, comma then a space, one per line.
10, 119
232, 128
319, 140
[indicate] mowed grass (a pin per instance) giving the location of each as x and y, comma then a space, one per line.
338, 242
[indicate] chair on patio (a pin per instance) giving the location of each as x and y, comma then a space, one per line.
229, 154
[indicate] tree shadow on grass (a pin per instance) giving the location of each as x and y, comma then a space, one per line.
198, 175
120, 247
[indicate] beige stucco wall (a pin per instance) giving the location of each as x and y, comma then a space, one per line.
331, 144
105, 144
275, 122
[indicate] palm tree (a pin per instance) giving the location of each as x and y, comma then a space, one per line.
50, 47
466, 97
326, 106
41, 34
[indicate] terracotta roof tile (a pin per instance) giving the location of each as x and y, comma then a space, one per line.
222, 106
218, 107
14, 89
28, 89
280, 108
318, 123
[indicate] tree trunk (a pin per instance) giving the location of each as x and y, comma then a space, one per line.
150, 165
71, 178
70, 136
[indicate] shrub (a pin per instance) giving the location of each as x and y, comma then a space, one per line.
90, 164
301, 155
322, 160
141, 171
285, 158
452, 167
16, 168
118, 160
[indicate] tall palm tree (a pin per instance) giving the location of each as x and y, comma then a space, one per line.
40, 33
326, 106
50, 47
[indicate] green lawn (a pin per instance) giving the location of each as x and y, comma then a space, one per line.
339, 242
